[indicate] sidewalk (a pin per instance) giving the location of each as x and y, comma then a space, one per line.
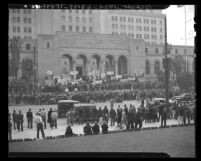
77, 129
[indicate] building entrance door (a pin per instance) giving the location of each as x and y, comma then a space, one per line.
79, 75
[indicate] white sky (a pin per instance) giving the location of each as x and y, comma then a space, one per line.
176, 25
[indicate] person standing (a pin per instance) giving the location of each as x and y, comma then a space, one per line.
69, 117
96, 128
39, 124
105, 114
100, 115
54, 119
104, 128
30, 119
126, 110
124, 120
131, 118
139, 119
20, 120
112, 116
119, 115
49, 119
43, 116
14, 115
188, 114
164, 117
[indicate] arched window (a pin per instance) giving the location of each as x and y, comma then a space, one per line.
156, 67
147, 68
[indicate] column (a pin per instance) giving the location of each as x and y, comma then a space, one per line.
74, 68
116, 67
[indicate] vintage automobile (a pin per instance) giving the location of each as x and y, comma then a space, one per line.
64, 106
184, 97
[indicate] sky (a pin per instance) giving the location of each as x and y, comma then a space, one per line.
176, 25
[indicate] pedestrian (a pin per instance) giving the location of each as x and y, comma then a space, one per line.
119, 115
104, 128
54, 119
43, 116
94, 114
69, 116
126, 110
87, 129
100, 115
179, 114
131, 118
69, 131
14, 115
9, 129
39, 124
112, 116
30, 119
49, 119
124, 120
139, 119
20, 120
164, 117
188, 114
96, 128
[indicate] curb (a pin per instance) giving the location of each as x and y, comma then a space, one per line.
109, 132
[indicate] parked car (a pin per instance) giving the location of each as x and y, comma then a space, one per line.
184, 97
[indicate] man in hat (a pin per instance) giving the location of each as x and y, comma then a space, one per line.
20, 120
104, 128
49, 119
39, 124
30, 119
69, 131
87, 129
112, 116
164, 117
96, 128
14, 115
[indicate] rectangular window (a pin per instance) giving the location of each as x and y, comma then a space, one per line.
25, 29
131, 19
147, 36
18, 19
77, 28
14, 19
90, 29
146, 50
29, 20
25, 11
14, 28
116, 18
63, 18
84, 29
156, 50
124, 18
145, 21
29, 30
132, 35
28, 46
70, 28
161, 37
160, 29
18, 29
25, 20
139, 20
160, 22
136, 20
112, 18
18, 11
63, 28
128, 19
29, 11
14, 10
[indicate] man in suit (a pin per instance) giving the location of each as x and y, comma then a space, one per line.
164, 116
20, 120
30, 119
14, 115
96, 128
112, 116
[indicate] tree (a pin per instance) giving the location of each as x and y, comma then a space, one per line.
27, 69
185, 80
177, 65
14, 47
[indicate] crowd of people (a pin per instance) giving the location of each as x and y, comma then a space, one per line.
124, 118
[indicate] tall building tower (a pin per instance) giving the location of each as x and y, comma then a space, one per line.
137, 24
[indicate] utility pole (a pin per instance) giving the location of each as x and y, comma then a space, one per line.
166, 68
34, 71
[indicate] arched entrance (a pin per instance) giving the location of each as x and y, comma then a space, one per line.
122, 65
66, 64
81, 62
109, 63
95, 63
